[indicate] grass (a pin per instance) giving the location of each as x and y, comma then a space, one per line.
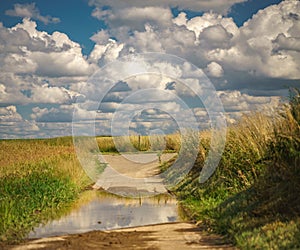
38, 180
153, 143
253, 197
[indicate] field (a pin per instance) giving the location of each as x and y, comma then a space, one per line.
168, 143
252, 199
39, 178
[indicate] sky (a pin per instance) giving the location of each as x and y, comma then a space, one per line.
50, 51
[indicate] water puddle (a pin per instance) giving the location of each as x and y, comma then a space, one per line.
102, 211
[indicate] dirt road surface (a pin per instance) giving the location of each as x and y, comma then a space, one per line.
133, 175
164, 237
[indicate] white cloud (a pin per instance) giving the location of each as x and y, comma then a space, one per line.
12, 87
102, 54
253, 49
61, 114
18, 63
31, 11
214, 70
10, 114
135, 17
287, 43
2, 89
12, 124
54, 129
24, 129
258, 48
39, 67
215, 36
49, 94
235, 101
237, 104
16, 89
60, 64
28, 50
101, 37
195, 5
199, 23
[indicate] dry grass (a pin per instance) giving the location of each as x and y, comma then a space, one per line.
253, 197
170, 143
15, 152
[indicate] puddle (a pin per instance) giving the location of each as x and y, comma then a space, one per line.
101, 211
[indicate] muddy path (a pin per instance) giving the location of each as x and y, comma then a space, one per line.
133, 175
174, 235
163, 236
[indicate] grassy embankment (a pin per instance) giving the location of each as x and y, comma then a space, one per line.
253, 197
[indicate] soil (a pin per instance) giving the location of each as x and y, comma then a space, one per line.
133, 175
137, 165
163, 236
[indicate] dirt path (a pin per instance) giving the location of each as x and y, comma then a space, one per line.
137, 165
133, 175
164, 236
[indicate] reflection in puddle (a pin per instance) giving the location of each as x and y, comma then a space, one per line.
104, 212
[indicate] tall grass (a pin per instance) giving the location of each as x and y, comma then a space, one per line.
168, 143
253, 197
241, 162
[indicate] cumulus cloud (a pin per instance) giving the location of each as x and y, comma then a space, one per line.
24, 129
195, 5
102, 54
254, 48
215, 36
214, 70
199, 23
63, 114
39, 67
286, 43
27, 50
101, 37
235, 101
52, 94
30, 11
135, 17
255, 59
12, 124
10, 114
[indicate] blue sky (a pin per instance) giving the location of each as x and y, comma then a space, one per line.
249, 49
75, 19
